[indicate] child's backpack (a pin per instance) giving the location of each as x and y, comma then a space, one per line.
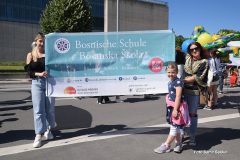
183, 119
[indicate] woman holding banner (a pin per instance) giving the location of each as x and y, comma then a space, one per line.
43, 107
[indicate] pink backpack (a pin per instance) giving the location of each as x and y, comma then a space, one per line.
184, 117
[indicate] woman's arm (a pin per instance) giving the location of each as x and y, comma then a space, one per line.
29, 58
41, 74
189, 79
201, 75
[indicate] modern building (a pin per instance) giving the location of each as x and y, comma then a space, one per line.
19, 21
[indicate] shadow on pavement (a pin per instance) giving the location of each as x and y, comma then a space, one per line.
95, 130
211, 137
67, 117
71, 117
8, 120
206, 137
227, 102
16, 108
138, 99
12, 102
16, 135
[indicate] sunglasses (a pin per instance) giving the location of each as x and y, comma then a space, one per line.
192, 49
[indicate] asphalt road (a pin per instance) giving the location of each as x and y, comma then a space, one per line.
113, 131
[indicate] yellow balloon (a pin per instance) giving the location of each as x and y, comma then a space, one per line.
204, 39
215, 36
235, 50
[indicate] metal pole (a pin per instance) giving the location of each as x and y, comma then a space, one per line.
117, 15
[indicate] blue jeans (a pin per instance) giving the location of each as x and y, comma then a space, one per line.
43, 106
193, 102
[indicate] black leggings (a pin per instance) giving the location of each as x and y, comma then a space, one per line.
105, 98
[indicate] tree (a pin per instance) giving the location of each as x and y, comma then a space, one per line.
66, 16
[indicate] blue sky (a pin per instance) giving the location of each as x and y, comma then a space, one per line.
213, 15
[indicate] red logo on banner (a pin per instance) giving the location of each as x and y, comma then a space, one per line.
156, 65
70, 90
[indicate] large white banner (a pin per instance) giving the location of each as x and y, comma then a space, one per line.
113, 63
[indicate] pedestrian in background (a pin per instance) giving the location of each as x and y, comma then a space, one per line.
180, 60
222, 75
101, 98
213, 80
43, 106
233, 77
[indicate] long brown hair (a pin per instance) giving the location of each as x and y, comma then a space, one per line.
202, 55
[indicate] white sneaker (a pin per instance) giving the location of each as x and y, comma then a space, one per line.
48, 135
38, 141
119, 101
163, 149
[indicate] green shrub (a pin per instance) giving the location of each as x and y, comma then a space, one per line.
66, 16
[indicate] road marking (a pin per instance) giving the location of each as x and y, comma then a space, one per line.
92, 137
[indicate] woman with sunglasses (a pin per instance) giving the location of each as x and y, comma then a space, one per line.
195, 81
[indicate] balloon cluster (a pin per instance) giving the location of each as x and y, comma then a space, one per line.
215, 41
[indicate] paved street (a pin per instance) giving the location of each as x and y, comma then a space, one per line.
113, 131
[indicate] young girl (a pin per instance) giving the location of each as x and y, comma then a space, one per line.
175, 87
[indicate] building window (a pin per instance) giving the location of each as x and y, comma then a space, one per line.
28, 11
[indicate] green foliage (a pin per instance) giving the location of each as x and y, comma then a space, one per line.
66, 16
179, 41
227, 31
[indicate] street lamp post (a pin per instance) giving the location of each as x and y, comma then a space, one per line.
117, 16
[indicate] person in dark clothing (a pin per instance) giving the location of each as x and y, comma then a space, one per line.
101, 98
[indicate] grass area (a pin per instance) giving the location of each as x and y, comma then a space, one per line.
12, 63
16, 65
13, 73
11, 67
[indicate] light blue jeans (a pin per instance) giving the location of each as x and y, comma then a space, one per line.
43, 106
193, 102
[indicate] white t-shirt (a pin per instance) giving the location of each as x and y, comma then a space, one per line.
214, 66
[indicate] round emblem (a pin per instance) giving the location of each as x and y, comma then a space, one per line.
156, 65
62, 45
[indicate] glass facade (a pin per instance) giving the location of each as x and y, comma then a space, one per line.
97, 7
29, 11
19, 22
